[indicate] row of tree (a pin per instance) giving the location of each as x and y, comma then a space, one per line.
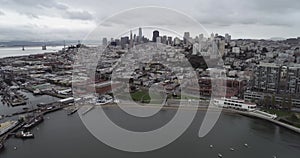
270, 101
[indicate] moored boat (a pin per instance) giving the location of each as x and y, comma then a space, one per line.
220, 155
24, 135
234, 103
73, 111
35, 121
105, 99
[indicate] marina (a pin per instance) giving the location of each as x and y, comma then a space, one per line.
28, 129
31, 128
71, 128
24, 124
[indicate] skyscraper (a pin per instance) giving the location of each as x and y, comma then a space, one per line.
158, 39
135, 38
131, 40
176, 41
170, 40
164, 39
201, 37
104, 41
212, 36
140, 33
186, 37
140, 37
124, 41
155, 35
227, 37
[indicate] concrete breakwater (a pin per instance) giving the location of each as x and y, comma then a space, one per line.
260, 116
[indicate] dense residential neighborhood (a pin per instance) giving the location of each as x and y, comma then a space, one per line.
240, 74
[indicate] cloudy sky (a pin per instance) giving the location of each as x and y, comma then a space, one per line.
74, 19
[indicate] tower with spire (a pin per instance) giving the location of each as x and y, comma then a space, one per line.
131, 39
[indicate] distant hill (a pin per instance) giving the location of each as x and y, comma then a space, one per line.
33, 43
277, 38
48, 43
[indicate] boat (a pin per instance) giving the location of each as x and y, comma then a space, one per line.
7, 126
37, 92
231, 149
24, 135
220, 155
234, 103
41, 105
50, 108
35, 121
73, 111
102, 100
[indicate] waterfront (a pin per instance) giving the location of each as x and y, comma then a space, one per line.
66, 136
30, 103
61, 135
17, 51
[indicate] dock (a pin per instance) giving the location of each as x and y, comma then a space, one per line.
39, 112
73, 111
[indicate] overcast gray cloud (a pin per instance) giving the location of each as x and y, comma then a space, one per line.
73, 18
52, 8
82, 15
39, 3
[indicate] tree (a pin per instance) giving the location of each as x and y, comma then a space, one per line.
267, 100
253, 100
289, 103
283, 102
264, 50
273, 101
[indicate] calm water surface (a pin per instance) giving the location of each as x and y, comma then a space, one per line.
62, 136
17, 51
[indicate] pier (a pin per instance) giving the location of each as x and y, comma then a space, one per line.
13, 98
39, 92
38, 112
